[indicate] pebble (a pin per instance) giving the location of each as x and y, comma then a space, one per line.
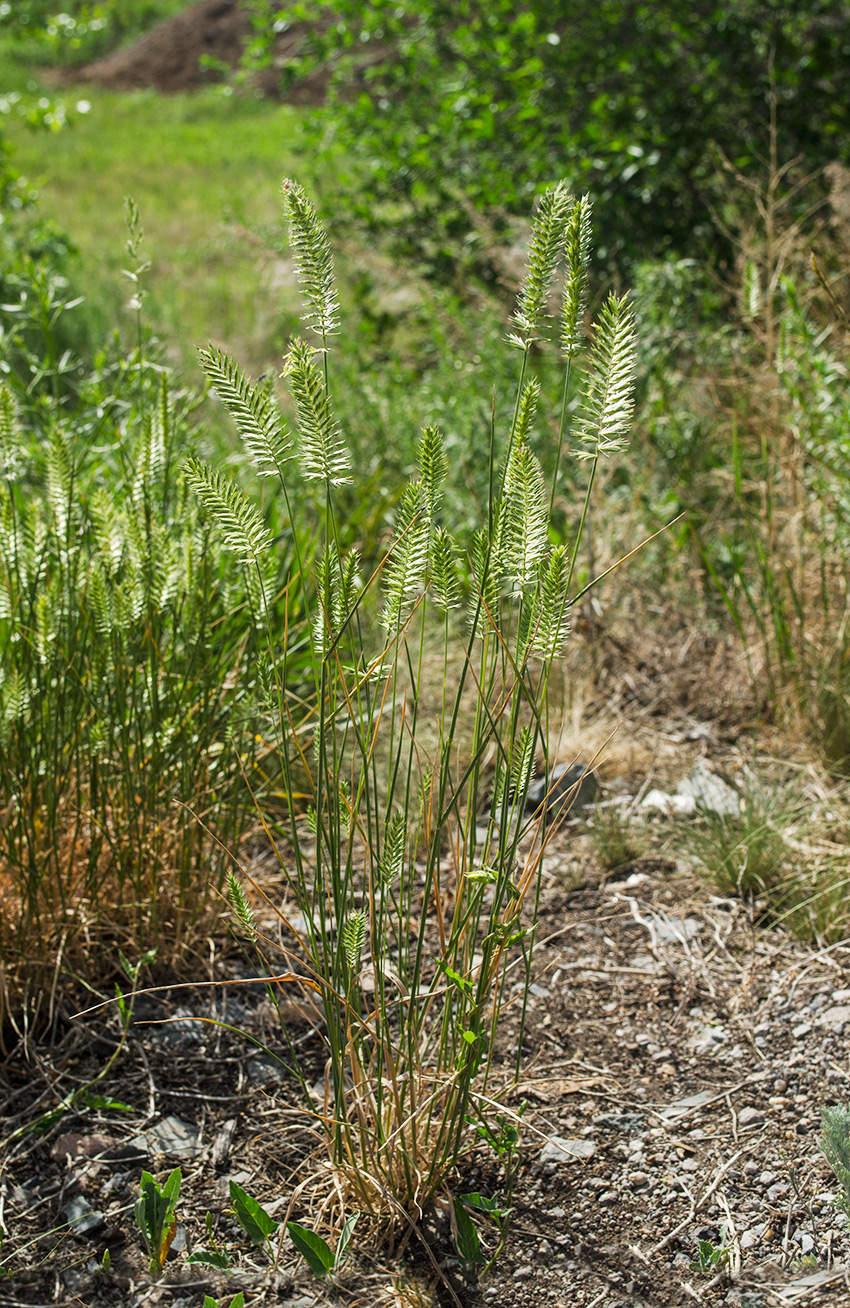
170, 1136
751, 1238
750, 1117
608, 1198
80, 1215
524, 1273
559, 1149
805, 1241
802, 1030
833, 1019
620, 1121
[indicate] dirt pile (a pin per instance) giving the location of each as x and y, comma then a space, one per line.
187, 51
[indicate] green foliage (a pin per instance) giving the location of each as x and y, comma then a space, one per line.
629, 101
618, 837
316, 1252
409, 919
710, 1257
127, 705
746, 854
835, 1143
258, 1225
155, 1216
41, 32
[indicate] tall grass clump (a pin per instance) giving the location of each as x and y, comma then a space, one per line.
412, 870
126, 706
775, 540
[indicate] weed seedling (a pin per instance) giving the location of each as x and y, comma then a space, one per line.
710, 1257
316, 1252
216, 1256
155, 1217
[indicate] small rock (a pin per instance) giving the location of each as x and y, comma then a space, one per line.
833, 1018
681, 1107
841, 996
264, 1070
560, 1149
70, 1145
608, 1198
805, 1241
706, 1039
661, 802
540, 991
777, 1191
677, 930
170, 1136
80, 1215
750, 1117
184, 1028
802, 1030
568, 786
524, 1273
709, 791
620, 1121
750, 1238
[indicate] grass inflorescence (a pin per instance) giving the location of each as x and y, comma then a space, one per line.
410, 862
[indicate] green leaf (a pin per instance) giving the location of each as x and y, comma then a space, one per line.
344, 1239
251, 1215
484, 1205
467, 1244
103, 1101
210, 1258
314, 1250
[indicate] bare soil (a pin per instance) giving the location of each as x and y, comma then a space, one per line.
685, 1049
170, 57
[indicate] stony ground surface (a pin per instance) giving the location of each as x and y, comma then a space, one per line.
676, 1062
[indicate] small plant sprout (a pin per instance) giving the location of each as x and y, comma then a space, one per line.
215, 1256
155, 1217
257, 1224
835, 1143
316, 1252
238, 1301
711, 1257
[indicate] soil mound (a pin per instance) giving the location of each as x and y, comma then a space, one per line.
171, 57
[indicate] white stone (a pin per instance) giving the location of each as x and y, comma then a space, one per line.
559, 1149
833, 1018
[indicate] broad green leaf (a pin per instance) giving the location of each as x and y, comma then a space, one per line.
483, 1204
251, 1215
468, 1244
210, 1258
314, 1250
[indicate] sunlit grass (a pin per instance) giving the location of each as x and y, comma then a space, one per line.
202, 169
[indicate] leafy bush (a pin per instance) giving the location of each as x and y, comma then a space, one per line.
72, 33
451, 100
411, 866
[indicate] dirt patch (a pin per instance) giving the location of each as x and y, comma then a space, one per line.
678, 1052
172, 57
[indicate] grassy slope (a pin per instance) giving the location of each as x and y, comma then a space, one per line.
205, 171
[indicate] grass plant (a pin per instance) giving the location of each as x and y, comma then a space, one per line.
415, 929
617, 837
746, 853
126, 701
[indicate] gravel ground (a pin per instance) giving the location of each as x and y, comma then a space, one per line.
677, 1058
